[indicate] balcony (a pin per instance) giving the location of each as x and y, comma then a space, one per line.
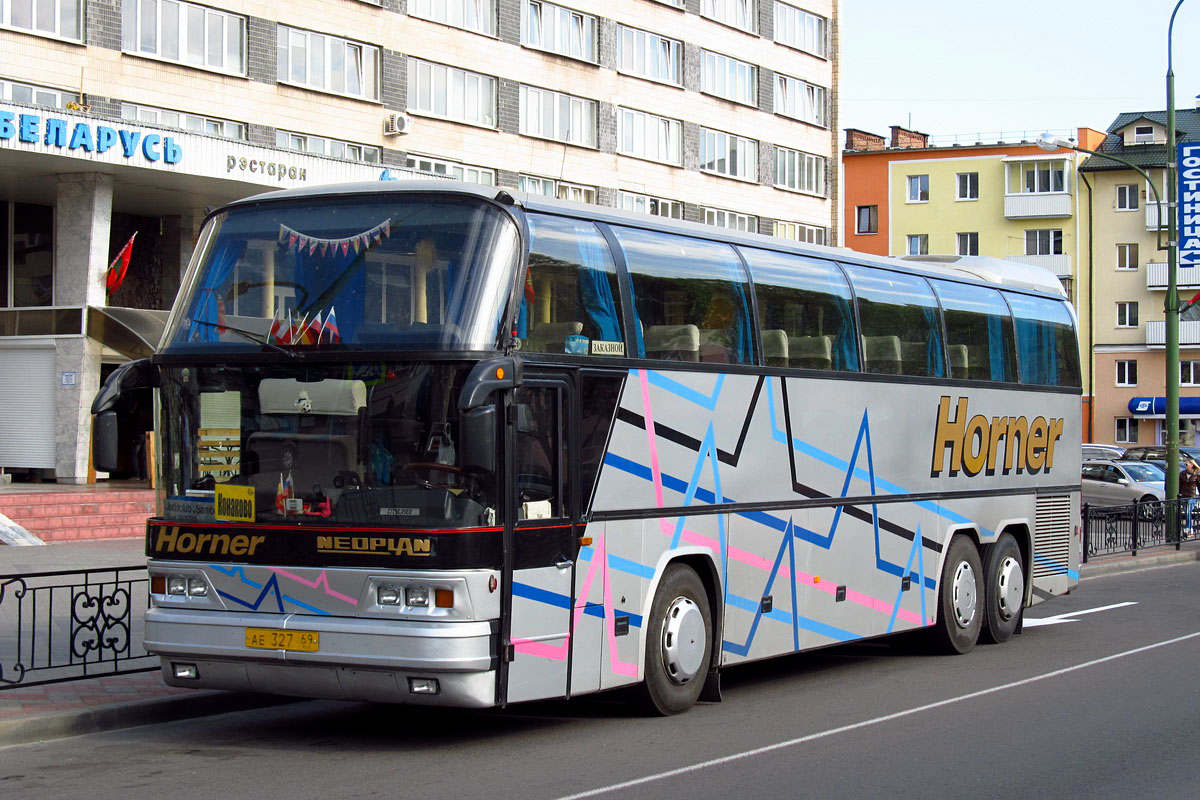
1035, 205
1189, 333
1152, 215
1156, 277
1060, 265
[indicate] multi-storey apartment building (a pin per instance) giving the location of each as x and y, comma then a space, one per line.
136, 115
906, 196
1128, 281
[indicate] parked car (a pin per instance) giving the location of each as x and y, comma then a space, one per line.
1091, 451
1118, 483
1157, 453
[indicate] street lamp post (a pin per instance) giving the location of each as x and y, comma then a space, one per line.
1050, 143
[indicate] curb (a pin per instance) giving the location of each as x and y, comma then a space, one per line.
1112, 566
171, 708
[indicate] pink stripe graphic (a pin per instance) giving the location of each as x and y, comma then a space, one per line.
322, 581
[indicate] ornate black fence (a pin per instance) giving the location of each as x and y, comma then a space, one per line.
61, 626
1140, 526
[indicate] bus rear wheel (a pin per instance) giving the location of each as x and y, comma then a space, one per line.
1004, 590
959, 617
678, 643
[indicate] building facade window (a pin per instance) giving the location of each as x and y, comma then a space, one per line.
1127, 372
733, 220
451, 169
799, 232
866, 219
546, 26
328, 63
800, 171
649, 136
558, 116
26, 255
549, 187
186, 33
63, 18
729, 78
1039, 177
646, 204
918, 244
213, 126
918, 188
1044, 242
451, 93
34, 95
735, 13
1189, 373
968, 186
801, 29
648, 55
968, 243
1127, 430
1127, 197
729, 155
1127, 314
321, 146
1127, 256
800, 100
470, 15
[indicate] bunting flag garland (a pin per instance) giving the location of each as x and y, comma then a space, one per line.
301, 242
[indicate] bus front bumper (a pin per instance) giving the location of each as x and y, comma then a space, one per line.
392, 661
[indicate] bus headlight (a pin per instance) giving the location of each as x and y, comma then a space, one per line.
388, 596
417, 596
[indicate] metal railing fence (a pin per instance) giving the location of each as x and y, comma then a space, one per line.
1108, 530
66, 625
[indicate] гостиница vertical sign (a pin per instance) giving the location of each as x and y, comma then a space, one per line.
1189, 204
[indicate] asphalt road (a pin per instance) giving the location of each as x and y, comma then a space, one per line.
1105, 706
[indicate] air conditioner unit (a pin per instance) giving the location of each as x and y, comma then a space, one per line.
396, 124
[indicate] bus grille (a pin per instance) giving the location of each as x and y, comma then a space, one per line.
1052, 540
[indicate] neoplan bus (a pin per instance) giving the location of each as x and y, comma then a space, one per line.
428, 442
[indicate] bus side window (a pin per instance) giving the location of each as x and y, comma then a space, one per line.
1045, 333
804, 311
900, 305
691, 298
570, 303
978, 332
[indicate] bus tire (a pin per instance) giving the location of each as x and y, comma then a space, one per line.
1003, 590
960, 617
678, 643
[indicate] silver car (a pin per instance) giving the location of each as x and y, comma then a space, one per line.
1119, 483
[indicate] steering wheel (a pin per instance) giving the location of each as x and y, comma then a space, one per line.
433, 466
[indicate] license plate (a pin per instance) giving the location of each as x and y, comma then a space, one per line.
272, 639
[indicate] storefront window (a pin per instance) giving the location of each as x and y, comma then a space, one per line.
32, 255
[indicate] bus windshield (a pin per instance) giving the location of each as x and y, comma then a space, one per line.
400, 272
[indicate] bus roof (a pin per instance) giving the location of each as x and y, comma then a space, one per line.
985, 269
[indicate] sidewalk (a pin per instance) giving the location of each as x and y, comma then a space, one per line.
88, 705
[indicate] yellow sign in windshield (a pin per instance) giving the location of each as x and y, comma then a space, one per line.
235, 503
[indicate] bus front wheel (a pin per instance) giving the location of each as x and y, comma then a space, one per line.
1004, 590
678, 643
960, 616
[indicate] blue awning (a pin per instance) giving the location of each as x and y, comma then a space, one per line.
1157, 406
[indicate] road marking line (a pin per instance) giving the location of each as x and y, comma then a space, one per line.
1058, 619
866, 723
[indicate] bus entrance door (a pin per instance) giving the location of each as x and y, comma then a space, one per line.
544, 539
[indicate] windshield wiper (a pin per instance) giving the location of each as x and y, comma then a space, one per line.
250, 336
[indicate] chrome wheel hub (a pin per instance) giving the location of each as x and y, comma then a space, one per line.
684, 643
1010, 592
965, 594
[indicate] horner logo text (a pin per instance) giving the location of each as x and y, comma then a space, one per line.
375, 545
972, 445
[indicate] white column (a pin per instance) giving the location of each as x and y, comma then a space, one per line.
83, 214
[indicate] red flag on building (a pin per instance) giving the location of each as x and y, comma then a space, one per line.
115, 275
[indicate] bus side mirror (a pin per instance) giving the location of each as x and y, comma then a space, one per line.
140, 374
477, 439
486, 377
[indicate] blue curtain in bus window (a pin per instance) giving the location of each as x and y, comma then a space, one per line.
206, 310
935, 362
594, 290
997, 349
1045, 340
337, 272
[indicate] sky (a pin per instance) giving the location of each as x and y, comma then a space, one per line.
965, 67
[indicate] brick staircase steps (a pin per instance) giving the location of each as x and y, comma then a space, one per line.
78, 515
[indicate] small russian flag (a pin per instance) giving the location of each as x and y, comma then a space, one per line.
331, 328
